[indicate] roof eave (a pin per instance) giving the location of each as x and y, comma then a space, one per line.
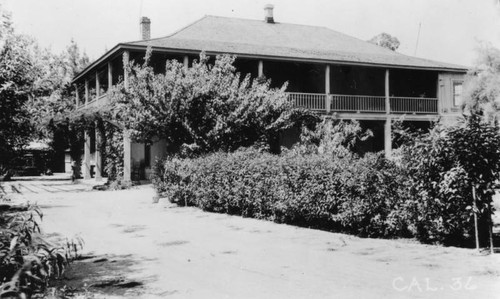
125, 46
285, 58
98, 61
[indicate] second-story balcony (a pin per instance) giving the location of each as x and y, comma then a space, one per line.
94, 102
325, 103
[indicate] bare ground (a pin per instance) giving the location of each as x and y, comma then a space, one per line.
138, 249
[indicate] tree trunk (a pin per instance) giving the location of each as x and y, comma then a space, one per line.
476, 230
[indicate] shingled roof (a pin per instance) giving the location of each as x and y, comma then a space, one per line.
281, 40
254, 38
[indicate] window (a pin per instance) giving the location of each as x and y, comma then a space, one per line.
457, 93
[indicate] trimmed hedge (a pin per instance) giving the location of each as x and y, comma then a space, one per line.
362, 196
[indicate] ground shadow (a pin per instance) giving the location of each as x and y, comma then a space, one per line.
102, 274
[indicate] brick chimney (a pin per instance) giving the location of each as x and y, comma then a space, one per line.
145, 28
268, 18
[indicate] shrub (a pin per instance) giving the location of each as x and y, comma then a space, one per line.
27, 262
208, 106
443, 167
345, 194
374, 194
425, 193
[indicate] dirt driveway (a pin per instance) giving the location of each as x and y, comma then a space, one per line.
138, 249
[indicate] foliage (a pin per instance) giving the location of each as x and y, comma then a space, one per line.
113, 151
481, 92
207, 107
332, 137
444, 166
322, 191
426, 193
386, 41
52, 107
17, 76
35, 91
27, 261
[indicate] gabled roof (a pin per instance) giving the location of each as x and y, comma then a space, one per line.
255, 38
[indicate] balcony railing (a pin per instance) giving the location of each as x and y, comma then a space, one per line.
94, 101
312, 101
413, 105
368, 104
357, 103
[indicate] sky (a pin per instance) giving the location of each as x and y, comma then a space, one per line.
450, 30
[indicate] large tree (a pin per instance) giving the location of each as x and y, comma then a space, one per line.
17, 77
35, 92
53, 105
482, 85
385, 40
205, 107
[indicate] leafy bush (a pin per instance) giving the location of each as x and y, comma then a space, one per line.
27, 261
346, 194
443, 167
425, 193
208, 106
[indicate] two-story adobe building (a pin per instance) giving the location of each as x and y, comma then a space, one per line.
329, 72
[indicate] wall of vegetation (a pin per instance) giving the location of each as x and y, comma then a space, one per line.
424, 193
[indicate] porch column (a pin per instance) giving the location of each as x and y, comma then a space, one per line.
86, 156
388, 137
126, 59
327, 89
186, 61
387, 95
127, 157
261, 68
77, 96
110, 76
86, 91
388, 121
98, 157
97, 86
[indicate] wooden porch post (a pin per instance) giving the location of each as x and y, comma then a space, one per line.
261, 69
127, 157
86, 91
388, 122
388, 137
77, 96
126, 59
97, 86
110, 76
98, 157
127, 144
86, 156
328, 103
186, 61
387, 95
